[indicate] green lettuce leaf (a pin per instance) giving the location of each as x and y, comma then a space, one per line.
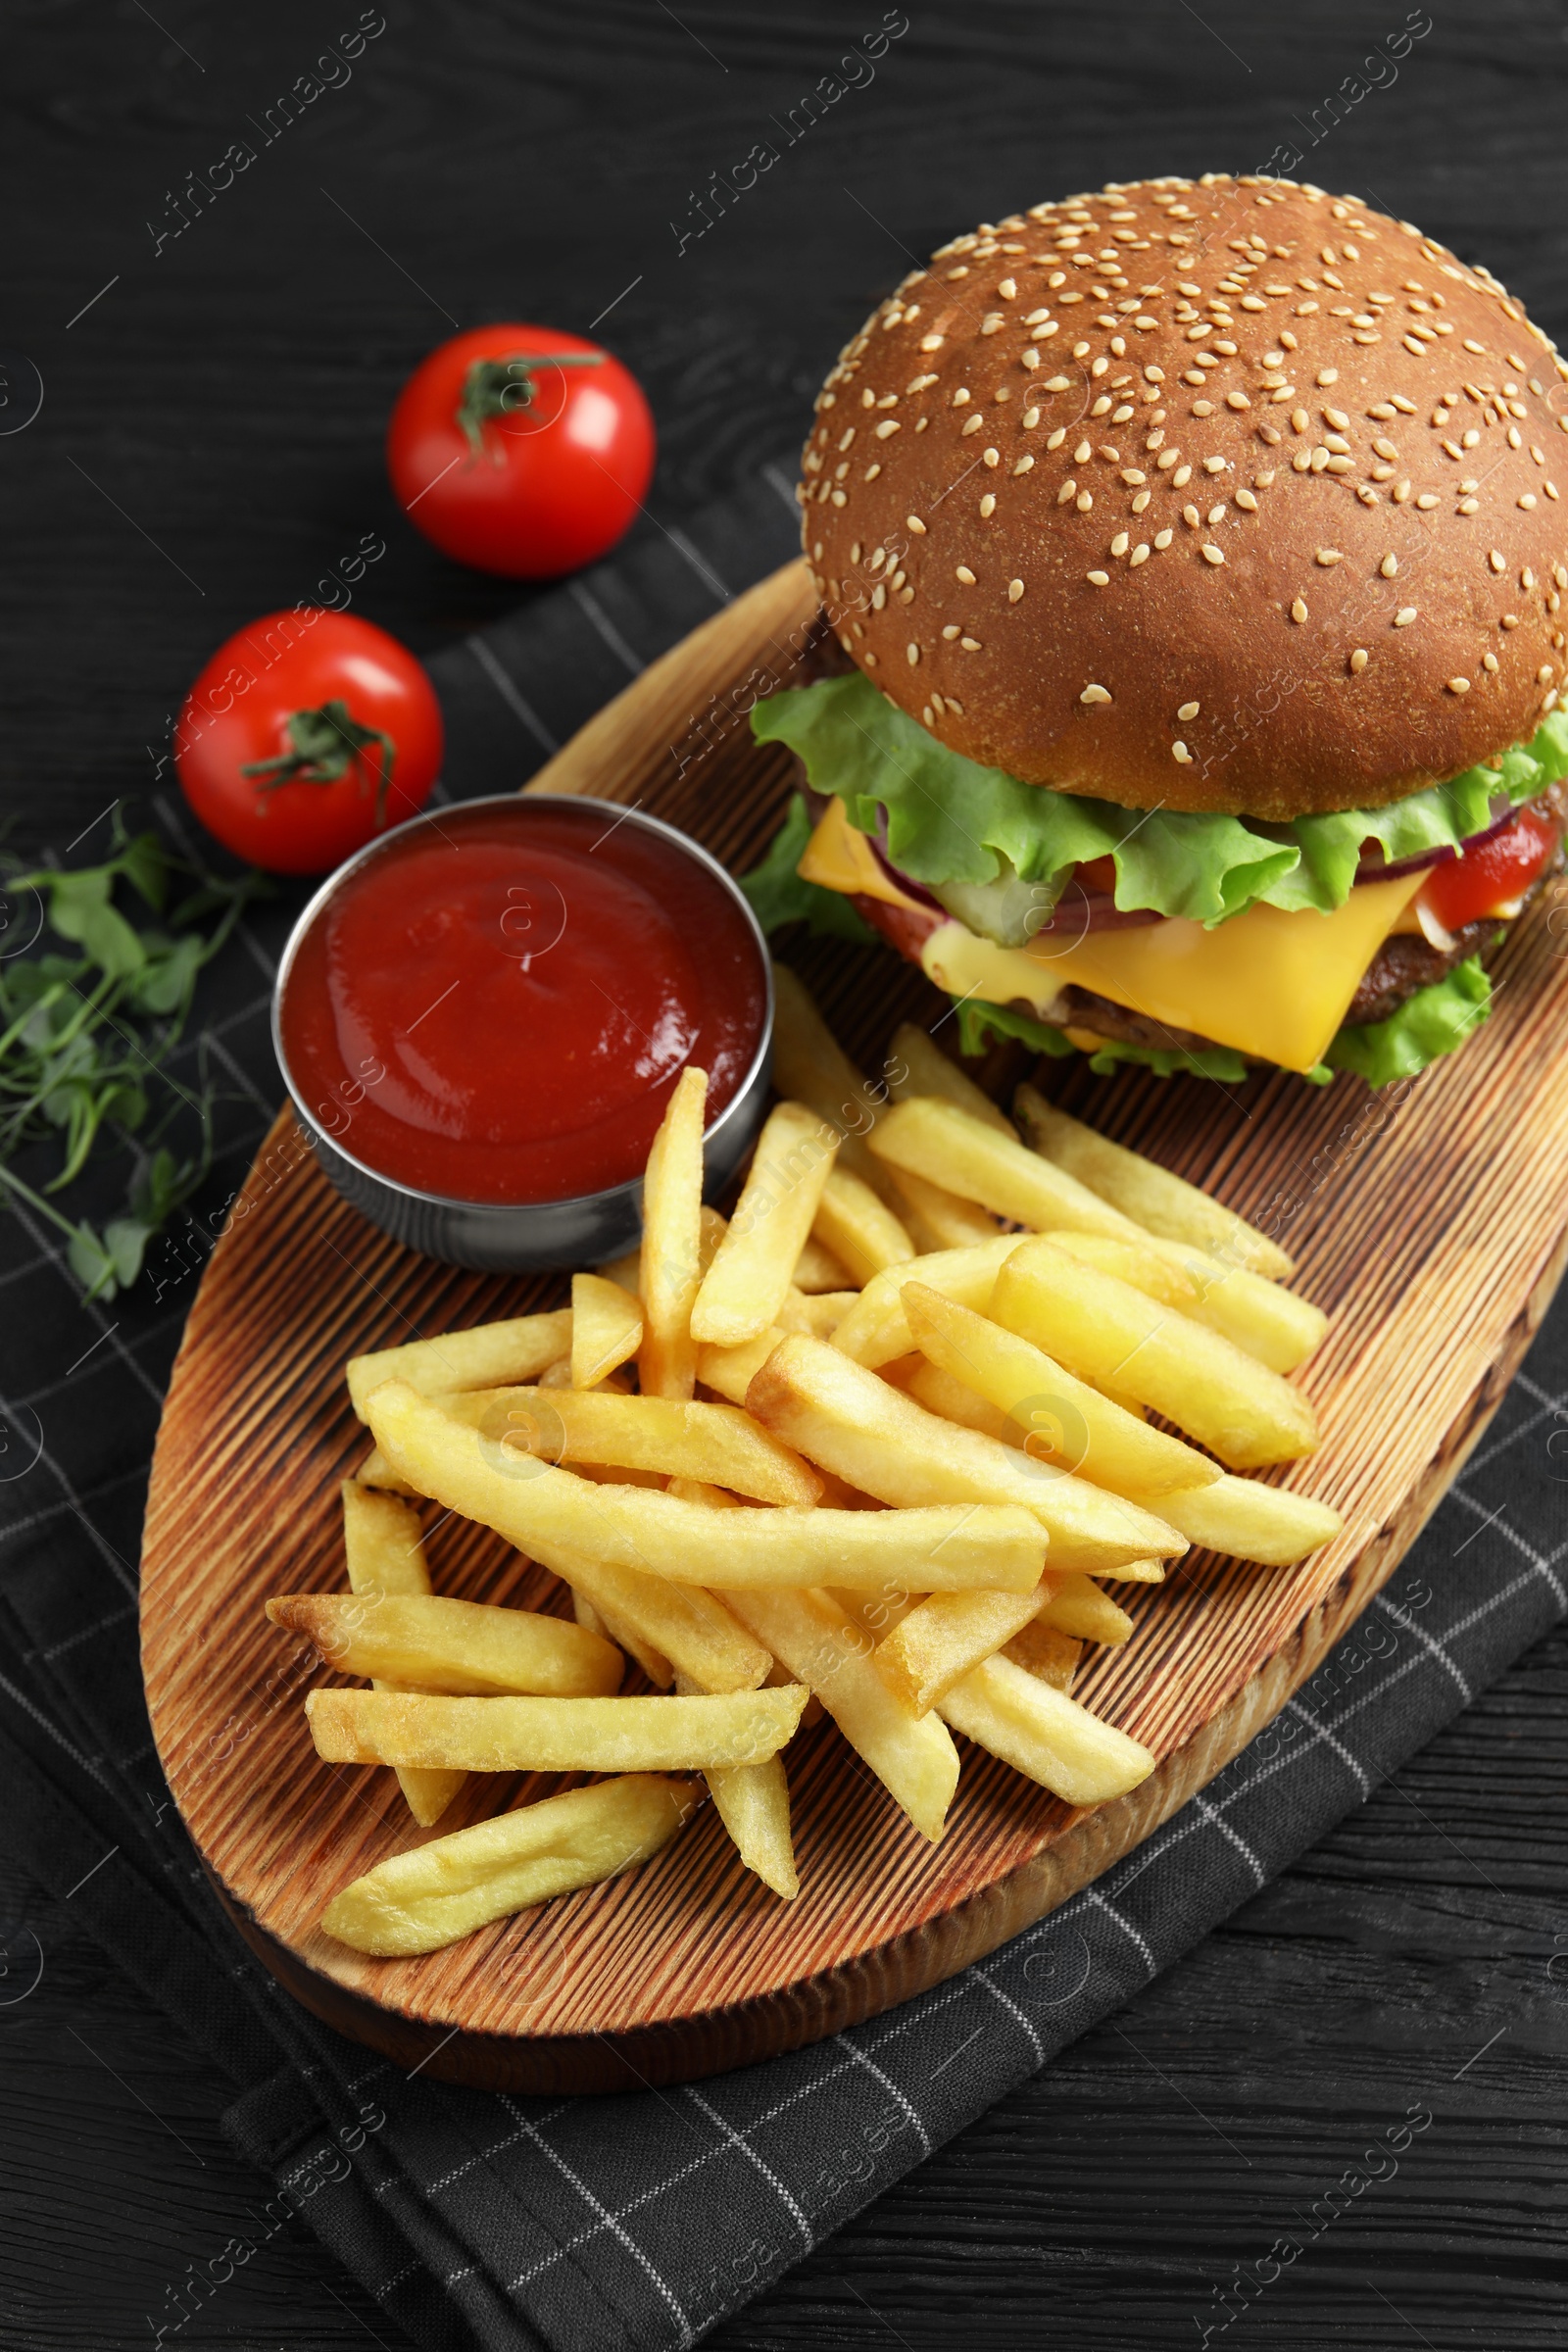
1434, 1021
979, 1021
951, 822
778, 895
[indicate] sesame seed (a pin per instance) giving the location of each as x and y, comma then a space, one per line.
1458, 685
912, 522
1192, 517
1297, 610
1014, 591
1180, 752
1528, 500
1118, 546
1403, 617
988, 505
1188, 711
1544, 675
1099, 579
1527, 578
1162, 540
1217, 513
1084, 501
913, 654
950, 631
1055, 440
1328, 555
1469, 506
1140, 501
931, 342
1083, 453
1094, 694
1031, 417
963, 573
1427, 501
970, 645
1247, 502
1359, 660
1491, 663
1068, 490
1212, 554
1181, 477
1140, 555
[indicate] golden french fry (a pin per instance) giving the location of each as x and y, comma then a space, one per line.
938, 1220
1105, 1329
952, 1399
384, 1548
1077, 1606
552, 1734
926, 1070
588, 1617
911, 1754
376, 1471
1254, 1522
680, 1628
657, 1433
811, 1066
753, 1801
627, 1273
1043, 1734
1145, 1192
864, 1430
558, 1517
488, 1357
422, 1642
1277, 1326
1137, 1262
669, 1273
939, 1643
653, 1662
817, 1269
857, 1226
749, 1279
965, 1156
1049, 1412
876, 1330
820, 1314
1041, 1650
429, 1897
729, 1370
607, 1329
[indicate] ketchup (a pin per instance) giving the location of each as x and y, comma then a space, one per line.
496, 1004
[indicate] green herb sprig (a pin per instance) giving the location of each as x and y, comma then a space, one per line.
85, 1038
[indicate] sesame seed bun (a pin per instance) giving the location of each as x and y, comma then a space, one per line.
1224, 495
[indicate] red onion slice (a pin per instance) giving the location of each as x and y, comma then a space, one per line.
1372, 868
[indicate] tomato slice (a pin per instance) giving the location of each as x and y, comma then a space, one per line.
1501, 870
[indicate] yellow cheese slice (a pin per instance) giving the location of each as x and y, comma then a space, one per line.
842, 860
1271, 984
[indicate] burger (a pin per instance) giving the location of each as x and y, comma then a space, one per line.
1192, 561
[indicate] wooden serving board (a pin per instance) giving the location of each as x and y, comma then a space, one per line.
1431, 1225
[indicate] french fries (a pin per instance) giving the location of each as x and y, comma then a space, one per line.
653, 1663
876, 1330
1266, 1524
967, 1156
938, 1220
552, 1734
1049, 1412
1150, 1194
862, 1429
607, 1329
1276, 1326
911, 1754
729, 1370
669, 1269
384, 1551
859, 1228
681, 1624
927, 1071
1043, 1735
811, 1066
491, 1355
939, 1643
817, 1269
753, 1801
556, 1516
376, 1471
749, 1279
1077, 1607
820, 1314
1041, 1650
1105, 1329
434, 1894
711, 1442
467, 1648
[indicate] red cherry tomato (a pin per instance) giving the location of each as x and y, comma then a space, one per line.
1489, 877
520, 450
305, 735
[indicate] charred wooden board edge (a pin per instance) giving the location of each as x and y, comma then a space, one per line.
717, 2041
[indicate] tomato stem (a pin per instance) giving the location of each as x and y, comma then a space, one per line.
499, 387
322, 744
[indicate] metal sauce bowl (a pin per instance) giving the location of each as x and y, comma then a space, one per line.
496, 1237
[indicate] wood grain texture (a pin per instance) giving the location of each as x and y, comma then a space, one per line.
687, 1965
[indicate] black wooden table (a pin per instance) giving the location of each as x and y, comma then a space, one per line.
216, 373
